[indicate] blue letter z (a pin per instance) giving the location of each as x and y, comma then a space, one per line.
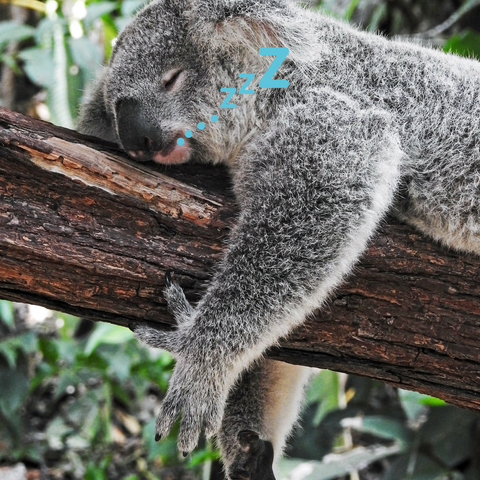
244, 90
225, 103
281, 54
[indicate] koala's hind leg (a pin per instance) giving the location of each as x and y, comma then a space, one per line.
260, 412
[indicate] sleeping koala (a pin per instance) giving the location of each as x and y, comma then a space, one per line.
315, 168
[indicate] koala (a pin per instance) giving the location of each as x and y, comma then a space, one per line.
366, 126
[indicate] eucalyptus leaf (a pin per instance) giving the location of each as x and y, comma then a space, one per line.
324, 389
412, 403
96, 10
11, 31
87, 55
56, 432
38, 65
129, 7
107, 333
66, 379
58, 98
9, 352
335, 465
382, 427
14, 385
466, 43
448, 434
6, 313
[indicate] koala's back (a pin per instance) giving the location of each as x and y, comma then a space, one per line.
434, 99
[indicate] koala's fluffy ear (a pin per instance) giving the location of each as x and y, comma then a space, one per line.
254, 24
94, 118
220, 10
233, 20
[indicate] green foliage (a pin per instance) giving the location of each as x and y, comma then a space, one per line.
324, 390
466, 43
65, 51
68, 398
418, 436
70, 391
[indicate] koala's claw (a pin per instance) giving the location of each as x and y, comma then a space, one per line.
168, 278
158, 437
254, 460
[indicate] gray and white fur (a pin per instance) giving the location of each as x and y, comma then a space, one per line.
366, 126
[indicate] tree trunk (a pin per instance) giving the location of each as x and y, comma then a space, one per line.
85, 231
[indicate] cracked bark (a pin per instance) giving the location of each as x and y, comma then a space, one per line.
85, 231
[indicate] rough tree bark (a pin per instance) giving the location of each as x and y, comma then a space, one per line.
85, 231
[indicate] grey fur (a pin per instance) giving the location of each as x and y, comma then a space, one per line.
367, 125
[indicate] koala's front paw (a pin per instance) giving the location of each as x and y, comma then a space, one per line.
197, 390
253, 459
196, 394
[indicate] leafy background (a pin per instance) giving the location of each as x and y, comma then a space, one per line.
78, 400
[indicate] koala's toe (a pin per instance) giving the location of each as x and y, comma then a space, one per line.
157, 338
190, 428
176, 299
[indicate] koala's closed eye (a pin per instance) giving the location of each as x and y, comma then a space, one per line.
172, 79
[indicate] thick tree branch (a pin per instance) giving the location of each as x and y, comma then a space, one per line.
86, 231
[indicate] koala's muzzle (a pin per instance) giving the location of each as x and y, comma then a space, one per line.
139, 136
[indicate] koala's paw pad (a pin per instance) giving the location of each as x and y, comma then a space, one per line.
254, 459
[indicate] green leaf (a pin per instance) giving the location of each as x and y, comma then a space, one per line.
466, 44
67, 350
324, 389
58, 93
379, 13
9, 352
351, 9
38, 65
411, 403
87, 55
335, 465
414, 403
84, 413
202, 456
67, 378
96, 10
6, 313
56, 432
14, 385
129, 7
382, 427
107, 333
433, 402
14, 32
447, 433
26, 342
110, 32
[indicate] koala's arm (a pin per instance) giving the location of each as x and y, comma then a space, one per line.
94, 118
312, 189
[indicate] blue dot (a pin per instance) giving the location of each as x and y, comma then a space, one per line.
214, 118
180, 141
188, 133
201, 126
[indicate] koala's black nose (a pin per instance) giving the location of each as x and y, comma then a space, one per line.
139, 136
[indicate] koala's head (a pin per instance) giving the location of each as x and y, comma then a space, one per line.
167, 69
